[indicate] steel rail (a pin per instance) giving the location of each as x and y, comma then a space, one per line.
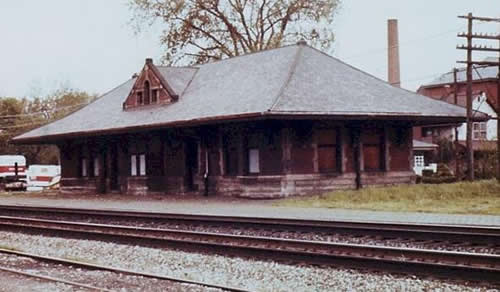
471, 266
478, 234
53, 279
113, 269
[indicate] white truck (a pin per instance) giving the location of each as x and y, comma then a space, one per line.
13, 172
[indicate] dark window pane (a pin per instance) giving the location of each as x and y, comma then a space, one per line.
326, 137
371, 155
327, 159
146, 92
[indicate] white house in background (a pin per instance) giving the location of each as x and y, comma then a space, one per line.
484, 131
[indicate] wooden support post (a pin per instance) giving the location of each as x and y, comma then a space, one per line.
220, 146
286, 147
242, 156
315, 151
387, 153
341, 136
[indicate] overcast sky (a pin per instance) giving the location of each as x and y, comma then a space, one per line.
89, 45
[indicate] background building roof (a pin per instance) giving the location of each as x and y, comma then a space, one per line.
422, 145
478, 73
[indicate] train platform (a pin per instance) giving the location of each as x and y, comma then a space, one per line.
237, 207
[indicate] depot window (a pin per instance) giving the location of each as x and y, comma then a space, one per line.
138, 164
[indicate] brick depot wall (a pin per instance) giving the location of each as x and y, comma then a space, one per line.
291, 163
78, 185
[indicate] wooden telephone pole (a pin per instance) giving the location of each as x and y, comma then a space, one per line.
455, 100
470, 47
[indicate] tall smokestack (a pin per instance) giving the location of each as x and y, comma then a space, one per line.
393, 53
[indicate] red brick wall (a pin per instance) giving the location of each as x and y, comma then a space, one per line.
166, 158
446, 93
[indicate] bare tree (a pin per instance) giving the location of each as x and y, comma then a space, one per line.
197, 31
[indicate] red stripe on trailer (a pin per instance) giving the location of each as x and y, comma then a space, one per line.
11, 168
43, 178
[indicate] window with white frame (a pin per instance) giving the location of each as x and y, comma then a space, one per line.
479, 131
253, 160
83, 170
419, 160
142, 164
96, 166
133, 165
138, 164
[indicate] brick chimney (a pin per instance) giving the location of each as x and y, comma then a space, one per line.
393, 53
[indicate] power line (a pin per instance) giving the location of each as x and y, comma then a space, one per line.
363, 53
24, 125
381, 50
42, 111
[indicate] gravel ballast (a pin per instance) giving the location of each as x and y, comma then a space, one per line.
102, 279
249, 274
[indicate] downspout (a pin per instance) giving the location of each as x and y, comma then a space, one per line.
205, 175
357, 157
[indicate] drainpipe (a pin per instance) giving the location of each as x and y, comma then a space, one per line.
205, 175
357, 157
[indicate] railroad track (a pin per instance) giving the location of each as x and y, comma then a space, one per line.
53, 279
115, 275
442, 264
468, 238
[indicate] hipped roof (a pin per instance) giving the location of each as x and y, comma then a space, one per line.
292, 81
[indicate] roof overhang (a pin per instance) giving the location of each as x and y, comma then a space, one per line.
413, 119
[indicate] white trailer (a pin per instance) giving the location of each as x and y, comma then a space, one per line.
43, 176
13, 172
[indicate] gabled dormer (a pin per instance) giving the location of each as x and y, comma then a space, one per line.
150, 88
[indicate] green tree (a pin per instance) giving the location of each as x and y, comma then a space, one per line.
197, 31
18, 116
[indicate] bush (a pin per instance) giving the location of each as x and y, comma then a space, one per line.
438, 179
485, 165
442, 175
427, 172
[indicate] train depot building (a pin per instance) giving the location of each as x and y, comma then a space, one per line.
286, 121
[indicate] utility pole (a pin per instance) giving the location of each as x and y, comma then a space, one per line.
470, 36
455, 100
498, 113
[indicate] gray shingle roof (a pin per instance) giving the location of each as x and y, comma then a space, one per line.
286, 81
480, 72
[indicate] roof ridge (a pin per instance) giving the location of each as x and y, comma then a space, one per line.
179, 67
248, 54
375, 77
291, 72
163, 81
189, 82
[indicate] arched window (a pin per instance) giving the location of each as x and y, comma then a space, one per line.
146, 92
